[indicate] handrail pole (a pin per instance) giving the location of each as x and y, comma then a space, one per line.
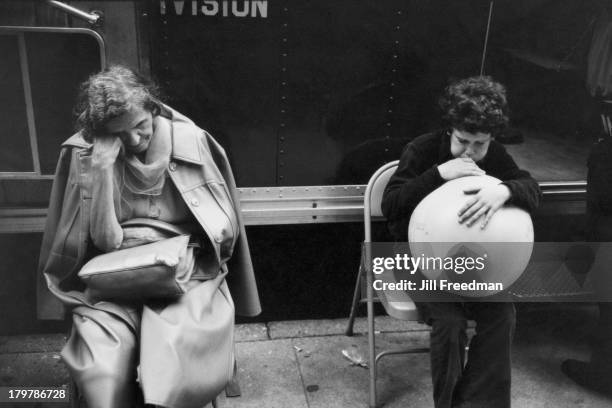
93, 18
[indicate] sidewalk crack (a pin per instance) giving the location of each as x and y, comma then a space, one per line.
297, 360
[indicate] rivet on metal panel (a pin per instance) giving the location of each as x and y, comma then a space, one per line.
283, 69
282, 111
267, 190
394, 70
388, 124
397, 42
306, 189
397, 27
282, 125
399, 12
283, 83
394, 55
390, 111
284, 54
282, 151
282, 138
284, 24
390, 97
283, 97
386, 149
145, 14
392, 83
254, 190
284, 40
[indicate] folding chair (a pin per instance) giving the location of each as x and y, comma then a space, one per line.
399, 308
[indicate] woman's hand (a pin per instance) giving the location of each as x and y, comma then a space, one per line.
459, 167
485, 202
105, 151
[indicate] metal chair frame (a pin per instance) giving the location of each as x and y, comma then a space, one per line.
371, 208
606, 116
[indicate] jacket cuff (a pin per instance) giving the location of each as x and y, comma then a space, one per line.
511, 187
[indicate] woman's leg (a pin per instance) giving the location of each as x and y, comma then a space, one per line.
101, 355
187, 347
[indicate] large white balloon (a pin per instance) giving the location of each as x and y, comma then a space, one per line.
505, 244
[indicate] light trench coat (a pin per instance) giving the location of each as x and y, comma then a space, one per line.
200, 171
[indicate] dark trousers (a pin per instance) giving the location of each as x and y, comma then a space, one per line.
485, 380
601, 354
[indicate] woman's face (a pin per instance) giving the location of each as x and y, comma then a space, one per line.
469, 145
134, 128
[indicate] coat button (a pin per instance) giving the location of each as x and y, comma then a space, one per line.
172, 166
195, 202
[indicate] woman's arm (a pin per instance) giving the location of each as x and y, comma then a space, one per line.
105, 230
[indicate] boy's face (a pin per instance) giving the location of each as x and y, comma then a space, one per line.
469, 145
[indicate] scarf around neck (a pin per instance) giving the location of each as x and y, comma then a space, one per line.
148, 177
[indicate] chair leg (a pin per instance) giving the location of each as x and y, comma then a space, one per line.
214, 403
232, 389
371, 342
356, 296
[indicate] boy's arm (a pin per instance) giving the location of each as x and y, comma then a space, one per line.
524, 190
414, 178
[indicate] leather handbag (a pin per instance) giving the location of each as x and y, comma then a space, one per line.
158, 269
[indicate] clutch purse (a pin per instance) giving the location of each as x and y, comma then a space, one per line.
154, 270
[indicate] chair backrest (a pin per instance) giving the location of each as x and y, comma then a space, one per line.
401, 306
373, 196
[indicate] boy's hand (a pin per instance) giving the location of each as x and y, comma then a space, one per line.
459, 167
485, 202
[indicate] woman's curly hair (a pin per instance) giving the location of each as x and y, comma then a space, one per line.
476, 104
109, 94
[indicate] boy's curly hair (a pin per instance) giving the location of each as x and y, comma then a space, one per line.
476, 104
108, 95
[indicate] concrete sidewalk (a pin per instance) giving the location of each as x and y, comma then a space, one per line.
300, 363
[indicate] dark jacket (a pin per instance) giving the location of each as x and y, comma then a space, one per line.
201, 173
417, 175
